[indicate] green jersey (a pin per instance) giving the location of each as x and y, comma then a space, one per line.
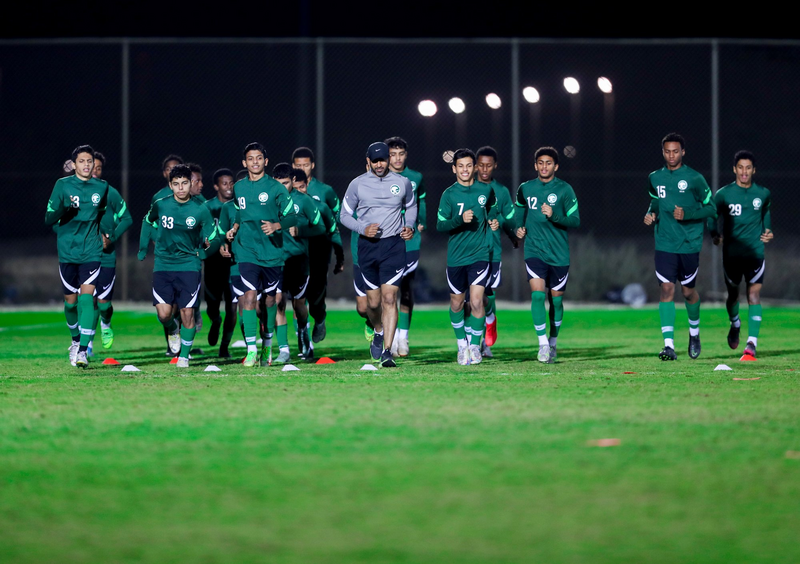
183, 228
469, 242
418, 187
227, 217
309, 224
78, 207
119, 212
265, 199
324, 194
163, 193
505, 214
546, 238
685, 188
745, 214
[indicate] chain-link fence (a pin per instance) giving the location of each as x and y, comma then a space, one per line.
138, 100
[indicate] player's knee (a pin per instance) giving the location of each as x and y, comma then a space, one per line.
538, 298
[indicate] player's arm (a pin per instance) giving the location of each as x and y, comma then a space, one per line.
707, 208
766, 235
57, 206
148, 230
287, 216
332, 200
446, 220
422, 206
567, 215
349, 206
520, 212
651, 215
410, 207
712, 223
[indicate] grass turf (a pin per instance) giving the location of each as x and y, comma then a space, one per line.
430, 462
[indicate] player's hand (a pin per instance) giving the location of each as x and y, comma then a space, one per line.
420, 227
406, 233
293, 231
494, 224
206, 244
269, 227
547, 210
467, 216
232, 232
338, 267
521, 233
372, 230
716, 239
678, 213
767, 236
224, 250
650, 218
141, 255
106, 241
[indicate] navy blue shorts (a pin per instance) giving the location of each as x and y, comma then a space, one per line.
262, 279
74, 275
358, 281
677, 267
495, 271
412, 262
237, 289
382, 261
178, 288
104, 285
460, 278
555, 277
749, 268
295, 277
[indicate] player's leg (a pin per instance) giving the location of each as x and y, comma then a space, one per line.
281, 329
300, 309
458, 282
215, 281
88, 273
229, 325
477, 321
733, 277
273, 278
689, 268
755, 279
319, 252
71, 286
559, 275
369, 260
361, 302
250, 277
105, 310
163, 299
391, 268
495, 281
667, 273
537, 272
406, 307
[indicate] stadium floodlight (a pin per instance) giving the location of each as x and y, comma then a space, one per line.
604, 85
427, 108
457, 105
571, 85
530, 94
493, 100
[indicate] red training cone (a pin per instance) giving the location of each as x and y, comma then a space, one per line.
747, 357
110, 361
174, 360
326, 360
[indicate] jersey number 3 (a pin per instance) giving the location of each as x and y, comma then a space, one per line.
167, 222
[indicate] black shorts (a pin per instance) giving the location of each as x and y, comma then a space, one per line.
178, 288
382, 261
495, 271
74, 275
677, 267
460, 278
262, 279
216, 278
752, 269
412, 262
237, 290
555, 277
358, 282
104, 284
295, 277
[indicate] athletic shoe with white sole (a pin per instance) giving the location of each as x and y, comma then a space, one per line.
552, 358
733, 337
376, 347
544, 353
387, 361
81, 359
182, 362
175, 342
394, 347
667, 353
318, 334
107, 335
251, 359
402, 346
486, 350
73, 352
750, 349
694, 346
283, 357
463, 356
475, 356
90, 349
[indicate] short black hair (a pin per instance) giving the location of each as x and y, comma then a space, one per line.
463, 153
547, 151
241, 174
396, 143
82, 149
168, 158
222, 172
98, 156
486, 151
282, 170
180, 171
744, 154
194, 167
674, 138
254, 146
299, 175
303, 153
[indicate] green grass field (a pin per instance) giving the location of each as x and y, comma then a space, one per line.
427, 463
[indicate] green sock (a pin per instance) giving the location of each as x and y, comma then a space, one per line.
272, 312
85, 318
539, 315
477, 326
187, 338
71, 313
666, 311
283, 335
96, 318
556, 315
693, 312
753, 320
403, 320
241, 322
171, 326
457, 321
490, 307
250, 323
105, 310
733, 310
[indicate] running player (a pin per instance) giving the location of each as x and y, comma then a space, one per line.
185, 226
680, 203
546, 207
744, 210
463, 214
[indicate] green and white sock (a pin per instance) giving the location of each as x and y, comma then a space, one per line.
753, 322
71, 314
666, 311
85, 318
250, 322
457, 321
539, 315
693, 311
187, 338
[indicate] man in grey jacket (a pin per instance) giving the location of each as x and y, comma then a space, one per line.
386, 213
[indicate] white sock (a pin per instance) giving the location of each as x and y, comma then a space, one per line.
402, 333
669, 343
543, 340
490, 318
694, 331
753, 340
252, 348
462, 343
736, 322
105, 325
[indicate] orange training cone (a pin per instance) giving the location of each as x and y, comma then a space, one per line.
110, 361
174, 360
326, 360
747, 357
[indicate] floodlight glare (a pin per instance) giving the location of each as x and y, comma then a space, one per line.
493, 100
457, 105
530, 94
427, 108
571, 85
604, 84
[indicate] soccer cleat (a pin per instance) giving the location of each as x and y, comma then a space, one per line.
283, 357
376, 347
318, 334
368, 332
303, 342
463, 356
175, 343
309, 354
81, 359
486, 350
402, 346
544, 353
667, 353
223, 351
475, 356
750, 349
694, 346
182, 362
73, 352
213, 333
394, 347
387, 361
491, 332
251, 359
733, 337
89, 350
107, 335
552, 358
266, 355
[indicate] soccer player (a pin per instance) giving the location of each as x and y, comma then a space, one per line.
217, 270
463, 214
546, 207
382, 202
360, 288
295, 252
744, 210
184, 227
264, 209
680, 203
319, 247
398, 154
504, 213
196, 191
78, 205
